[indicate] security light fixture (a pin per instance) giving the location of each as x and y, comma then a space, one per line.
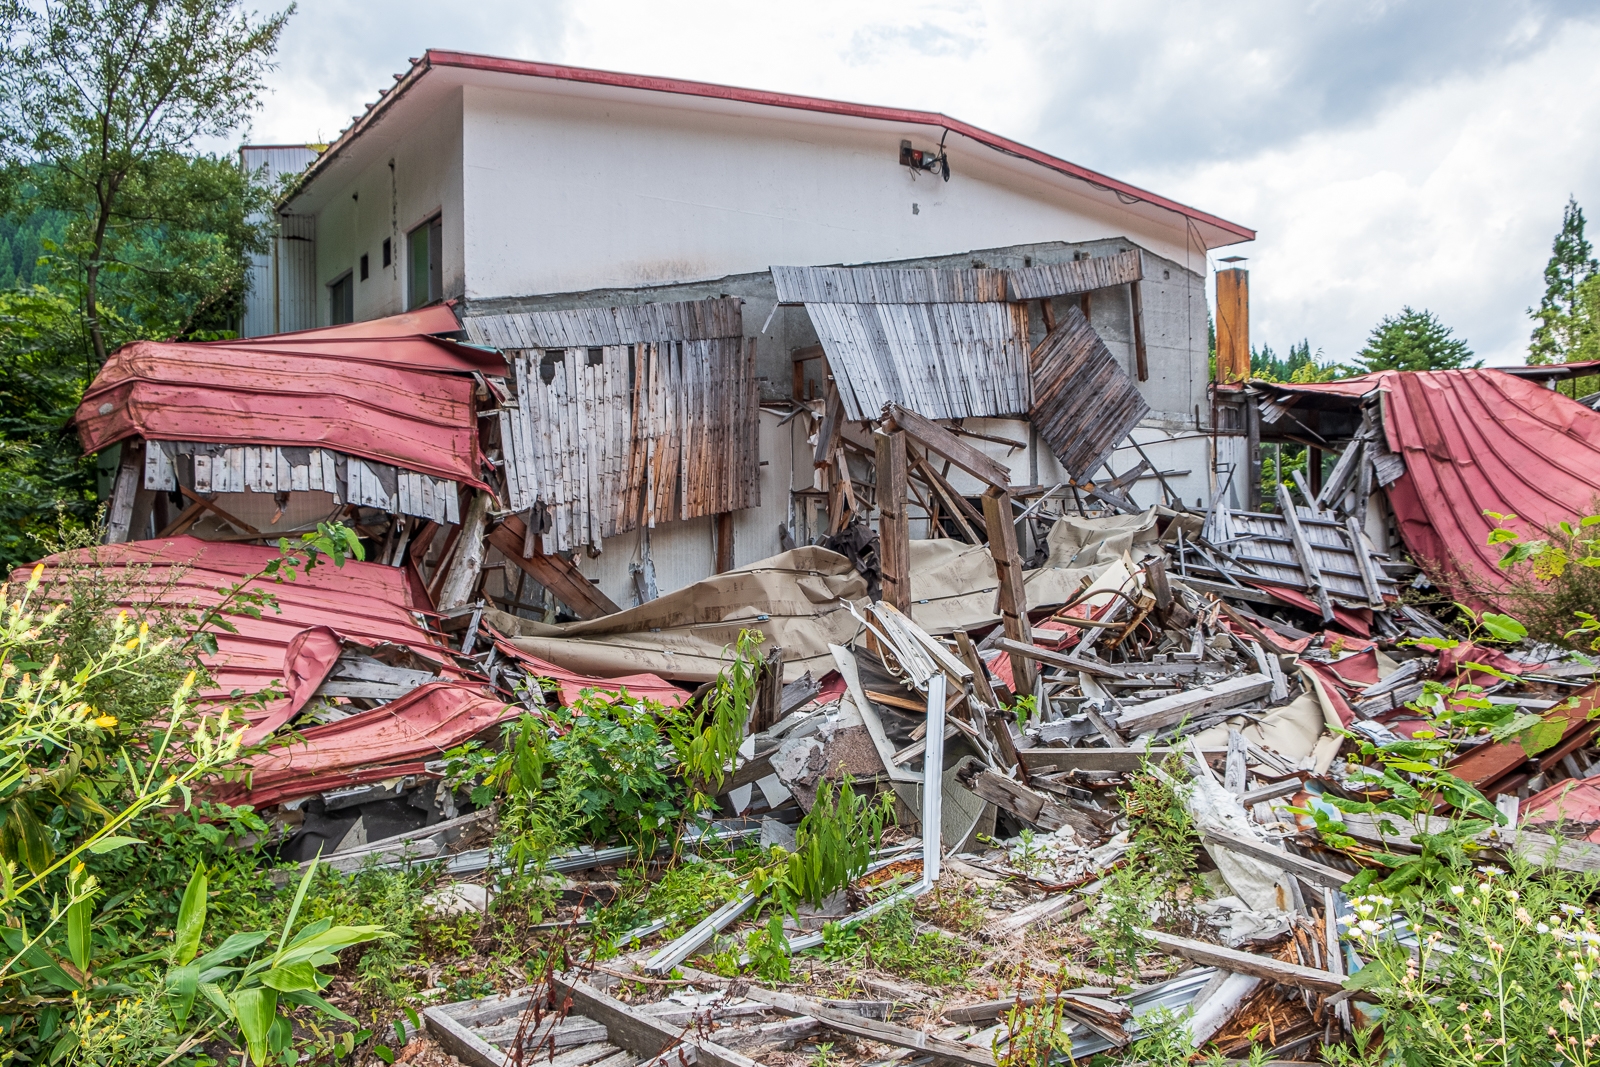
933, 162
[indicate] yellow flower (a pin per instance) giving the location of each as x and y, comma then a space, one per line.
106, 722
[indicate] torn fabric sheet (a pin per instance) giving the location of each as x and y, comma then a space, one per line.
793, 598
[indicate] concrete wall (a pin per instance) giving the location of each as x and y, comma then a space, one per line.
386, 201
566, 194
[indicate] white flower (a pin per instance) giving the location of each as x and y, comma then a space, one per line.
1542, 928
1572, 909
1457, 890
1367, 926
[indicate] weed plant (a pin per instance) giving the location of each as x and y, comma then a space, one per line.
892, 943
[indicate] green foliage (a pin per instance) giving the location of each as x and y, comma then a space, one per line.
769, 950
1567, 328
1164, 839
1299, 366
1412, 340
891, 942
45, 479
23, 242
1127, 903
1166, 1039
706, 743
1037, 1032
833, 845
106, 100
1554, 581
1500, 968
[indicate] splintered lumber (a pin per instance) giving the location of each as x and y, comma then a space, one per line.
1193, 703
1047, 760
1013, 593
894, 526
930, 435
1227, 959
1308, 870
462, 577
556, 573
1034, 914
1028, 805
1052, 658
637, 1032
885, 1032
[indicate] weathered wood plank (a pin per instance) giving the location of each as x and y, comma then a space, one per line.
930, 435
1193, 703
640, 1033
1237, 962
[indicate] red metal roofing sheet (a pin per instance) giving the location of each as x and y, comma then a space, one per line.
1476, 441
364, 602
435, 318
416, 419
385, 742
572, 684
412, 352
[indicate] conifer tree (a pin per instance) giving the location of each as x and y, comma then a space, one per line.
1566, 325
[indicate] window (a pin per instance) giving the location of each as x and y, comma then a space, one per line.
425, 270
387, 257
364, 271
342, 301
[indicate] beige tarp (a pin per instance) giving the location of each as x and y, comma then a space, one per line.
953, 584
794, 598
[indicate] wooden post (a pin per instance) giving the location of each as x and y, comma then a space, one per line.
894, 528
1252, 452
1233, 325
1008, 569
1141, 360
130, 477
724, 537
462, 577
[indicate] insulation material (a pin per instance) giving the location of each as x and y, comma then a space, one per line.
1263, 887
794, 598
1083, 401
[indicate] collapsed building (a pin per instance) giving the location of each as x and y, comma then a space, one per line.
579, 358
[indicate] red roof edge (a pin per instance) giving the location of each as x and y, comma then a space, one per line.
529, 68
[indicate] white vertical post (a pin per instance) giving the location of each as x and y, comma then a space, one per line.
933, 781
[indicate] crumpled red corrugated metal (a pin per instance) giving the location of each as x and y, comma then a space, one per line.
435, 318
572, 684
401, 401
1475, 441
295, 645
387, 742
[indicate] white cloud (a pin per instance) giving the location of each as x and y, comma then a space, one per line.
1447, 199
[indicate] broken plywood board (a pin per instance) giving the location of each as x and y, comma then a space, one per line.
1083, 401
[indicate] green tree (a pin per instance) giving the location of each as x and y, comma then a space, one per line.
1566, 321
1412, 340
104, 101
1300, 365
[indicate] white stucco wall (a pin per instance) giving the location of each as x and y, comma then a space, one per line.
389, 202
566, 194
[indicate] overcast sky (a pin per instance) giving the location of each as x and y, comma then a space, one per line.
1387, 153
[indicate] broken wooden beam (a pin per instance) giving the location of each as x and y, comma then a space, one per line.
556, 573
637, 1032
894, 526
1303, 551
1048, 760
1193, 703
936, 438
1236, 962
1306, 870
1051, 658
1026, 804
1013, 593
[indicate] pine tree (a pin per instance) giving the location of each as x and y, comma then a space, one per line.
1564, 321
1412, 340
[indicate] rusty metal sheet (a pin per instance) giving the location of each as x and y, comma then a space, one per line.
1076, 276
345, 397
1083, 401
